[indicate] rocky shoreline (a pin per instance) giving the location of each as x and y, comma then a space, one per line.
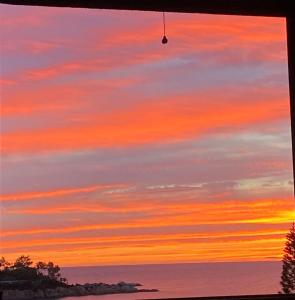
74, 290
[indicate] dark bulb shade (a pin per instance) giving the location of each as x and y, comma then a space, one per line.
164, 40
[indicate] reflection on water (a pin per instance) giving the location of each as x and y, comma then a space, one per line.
184, 280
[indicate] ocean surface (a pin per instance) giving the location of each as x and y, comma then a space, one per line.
183, 280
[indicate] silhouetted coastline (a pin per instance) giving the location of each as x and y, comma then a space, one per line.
74, 290
23, 281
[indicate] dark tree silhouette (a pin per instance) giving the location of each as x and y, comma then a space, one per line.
288, 272
53, 271
4, 264
22, 262
41, 266
26, 276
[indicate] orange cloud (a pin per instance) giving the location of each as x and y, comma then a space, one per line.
163, 214
158, 121
7, 82
60, 99
50, 193
150, 238
160, 250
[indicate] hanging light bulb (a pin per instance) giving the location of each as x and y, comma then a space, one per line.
164, 39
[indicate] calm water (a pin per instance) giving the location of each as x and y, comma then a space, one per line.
183, 280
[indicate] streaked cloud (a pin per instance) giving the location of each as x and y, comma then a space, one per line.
118, 150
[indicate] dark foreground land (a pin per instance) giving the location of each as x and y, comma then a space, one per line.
244, 297
72, 291
22, 280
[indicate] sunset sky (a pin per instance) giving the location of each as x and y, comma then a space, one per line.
116, 149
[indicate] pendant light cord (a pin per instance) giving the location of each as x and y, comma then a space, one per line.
164, 23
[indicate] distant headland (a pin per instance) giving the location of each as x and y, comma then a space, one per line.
22, 280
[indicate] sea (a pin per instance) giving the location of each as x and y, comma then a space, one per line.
183, 280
